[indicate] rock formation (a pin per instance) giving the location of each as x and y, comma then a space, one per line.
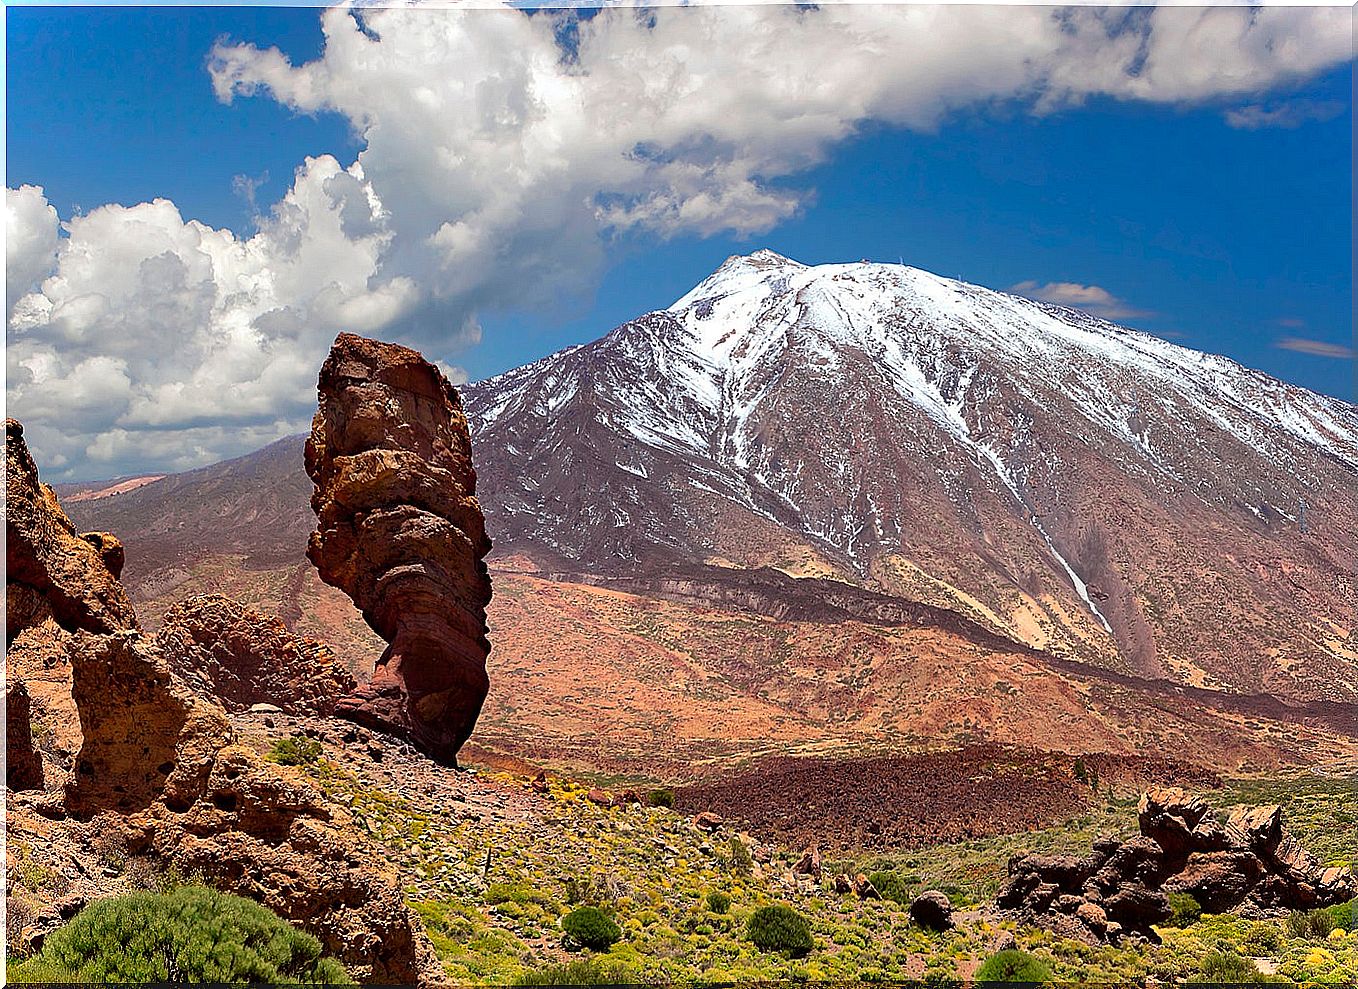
1246, 864
146, 762
399, 530
243, 658
53, 572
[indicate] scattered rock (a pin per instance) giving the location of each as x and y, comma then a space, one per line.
864, 888
708, 821
809, 863
933, 910
399, 530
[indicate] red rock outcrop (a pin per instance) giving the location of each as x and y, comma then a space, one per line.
1246, 863
241, 657
146, 762
52, 570
399, 530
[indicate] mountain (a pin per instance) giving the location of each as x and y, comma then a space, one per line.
851, 508
1074, 485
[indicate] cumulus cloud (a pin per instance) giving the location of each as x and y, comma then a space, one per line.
31, 236
1091, 298
1318, 348
503, 152
1289, 114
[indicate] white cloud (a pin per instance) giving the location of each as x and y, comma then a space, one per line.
498, 163
31, 234
1091, 298
1289, 114
1318, 348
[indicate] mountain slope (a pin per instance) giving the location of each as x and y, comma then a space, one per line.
1077, 486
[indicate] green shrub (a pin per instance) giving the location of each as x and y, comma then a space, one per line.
891, 885
1343, 914
1228, 968
591, 928
1184, 910
294, 751
780, 928
1012, 965
718, 902
741, 862
1309, 924
192, 934
1262, 939
661, 798
592, 971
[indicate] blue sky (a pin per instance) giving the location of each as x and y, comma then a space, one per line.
1228, 238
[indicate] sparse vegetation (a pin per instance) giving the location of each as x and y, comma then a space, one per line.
294, 750
591, 928
584, 972
741, 862
718, 902
1314, 924
1185, 910
1013, 965
780, 928
193, 934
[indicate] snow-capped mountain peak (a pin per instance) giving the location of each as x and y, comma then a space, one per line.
908, 427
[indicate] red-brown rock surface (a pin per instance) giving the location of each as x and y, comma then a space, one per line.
399, 530
52, 570
143, 761
1247, 863
242, 657
23, 765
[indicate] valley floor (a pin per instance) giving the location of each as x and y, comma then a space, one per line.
492, 860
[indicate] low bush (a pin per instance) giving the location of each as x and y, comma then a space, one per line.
584, 972
1309, 924
1013, 965
591, 928
780, 928
1262, 939
718, 902
661, 798
294, 751
742, 864
192, 934
1228, 968
1343, 915
891, 885
1184, 910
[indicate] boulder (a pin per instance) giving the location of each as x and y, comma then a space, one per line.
933, 910
863, 886
399, 530
1218, 880
708, 821
244, 658
146, 735
809, 863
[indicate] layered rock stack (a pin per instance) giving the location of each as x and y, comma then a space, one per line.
1246, 863
399, 530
